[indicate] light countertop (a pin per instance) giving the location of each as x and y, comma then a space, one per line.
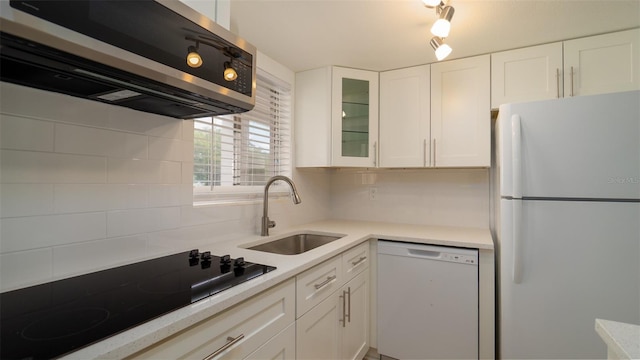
622, 339
355, 232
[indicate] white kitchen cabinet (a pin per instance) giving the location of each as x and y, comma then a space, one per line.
586, 66
602, 64
235, 333
336, 114
317, 283
405, 124
527, 74
338, 327
460, 113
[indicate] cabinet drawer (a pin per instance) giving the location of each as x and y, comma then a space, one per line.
355, 260
257, 319
280, 347
317, 283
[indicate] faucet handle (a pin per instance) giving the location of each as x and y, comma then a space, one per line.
271, 224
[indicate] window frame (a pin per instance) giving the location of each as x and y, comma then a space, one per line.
210, 194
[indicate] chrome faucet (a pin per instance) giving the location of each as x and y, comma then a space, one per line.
266, 223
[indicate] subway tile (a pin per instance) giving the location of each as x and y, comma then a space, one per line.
20, 133
34, 232
171, 172
138, 221
144, 123
25, 268
26, 199
41, 167
165, 195
94, 141
18, 100
70, 198
90, 256
165, 149
187, 130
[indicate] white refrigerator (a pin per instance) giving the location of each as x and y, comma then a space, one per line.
567, 223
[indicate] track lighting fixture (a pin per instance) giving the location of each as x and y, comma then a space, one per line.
441, 27
194, 59
442, 50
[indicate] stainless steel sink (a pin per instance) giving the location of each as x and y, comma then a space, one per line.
295, 244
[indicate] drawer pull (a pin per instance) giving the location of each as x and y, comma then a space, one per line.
324, 283
357, 262
230, 342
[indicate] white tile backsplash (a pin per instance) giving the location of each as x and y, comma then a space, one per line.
72, 198
21, 133
447, 197
33, 232
76, 258
75, 139
26, 199
45, 167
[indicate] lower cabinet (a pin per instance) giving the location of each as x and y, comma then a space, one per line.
338, 327
235, 333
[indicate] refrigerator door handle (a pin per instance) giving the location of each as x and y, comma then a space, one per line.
516, 156
517, 241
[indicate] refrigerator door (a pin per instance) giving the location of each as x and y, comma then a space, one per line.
582, 147
578, 261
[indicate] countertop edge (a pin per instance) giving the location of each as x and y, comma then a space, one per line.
621, 338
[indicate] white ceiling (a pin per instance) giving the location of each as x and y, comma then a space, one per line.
390, 34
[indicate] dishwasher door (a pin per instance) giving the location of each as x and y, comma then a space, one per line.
427, 301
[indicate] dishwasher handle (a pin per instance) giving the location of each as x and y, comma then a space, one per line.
425, 253
428, 252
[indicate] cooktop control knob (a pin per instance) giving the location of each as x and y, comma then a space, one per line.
225, 260
206, 256
194, 254
239, 262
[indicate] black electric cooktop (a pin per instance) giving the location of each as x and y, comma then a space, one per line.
49, 320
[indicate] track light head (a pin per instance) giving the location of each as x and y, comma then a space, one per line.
442, 26
442, 50
194, 59
230, 73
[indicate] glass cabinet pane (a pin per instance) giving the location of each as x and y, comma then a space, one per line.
355, 118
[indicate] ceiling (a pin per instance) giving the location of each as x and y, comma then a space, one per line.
390, 34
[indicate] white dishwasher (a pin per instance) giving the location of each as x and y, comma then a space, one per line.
427, 301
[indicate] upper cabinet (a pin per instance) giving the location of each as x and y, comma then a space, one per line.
602, 64
528, 74
460, 113
592, 65
405, 119
336, 115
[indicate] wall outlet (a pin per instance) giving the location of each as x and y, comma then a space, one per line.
373, 193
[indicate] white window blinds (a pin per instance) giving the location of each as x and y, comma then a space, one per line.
238, 153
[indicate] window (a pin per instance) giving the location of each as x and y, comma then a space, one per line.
235, 155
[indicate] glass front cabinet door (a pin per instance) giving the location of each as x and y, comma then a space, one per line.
354, 117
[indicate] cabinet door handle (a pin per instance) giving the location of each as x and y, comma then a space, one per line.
230, 342
325, 282
558, 83
375, 154
344, 309
424, 150
434, 152
572, 81
357, 262
348, 315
